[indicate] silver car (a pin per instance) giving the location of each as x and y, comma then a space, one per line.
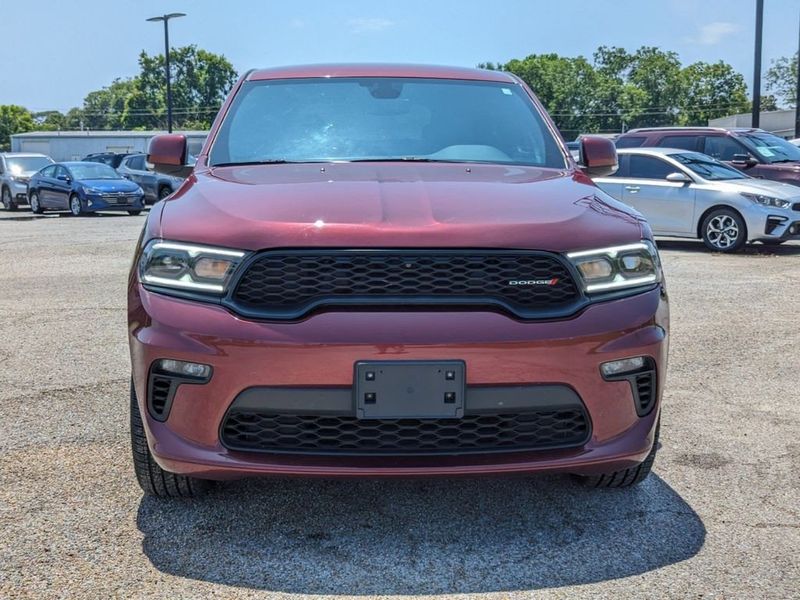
156, 186
16, 169
688, 194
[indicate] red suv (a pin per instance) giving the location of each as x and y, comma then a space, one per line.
392, 271
754, 151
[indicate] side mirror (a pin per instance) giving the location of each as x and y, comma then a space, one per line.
743, 160
168, 155
598, 156
678, 177
64, 178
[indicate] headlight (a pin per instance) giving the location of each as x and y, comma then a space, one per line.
767, 200
617, 267
187, 266
92, 191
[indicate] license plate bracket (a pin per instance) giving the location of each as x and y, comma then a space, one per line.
411, 389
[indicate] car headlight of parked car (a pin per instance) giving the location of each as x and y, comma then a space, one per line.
767, 200
91, 191
188, 267
617, 267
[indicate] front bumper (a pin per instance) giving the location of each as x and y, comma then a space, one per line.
773, 224
97, 203
321, 351
19, 190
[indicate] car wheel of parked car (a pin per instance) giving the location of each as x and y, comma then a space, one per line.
8, 201
33, 201
154, 480
626, 477
163, 192
75, 206
134, 213
724, 230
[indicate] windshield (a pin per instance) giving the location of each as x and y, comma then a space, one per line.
708, 168
771, 148
24, 164
383, 118
93, 171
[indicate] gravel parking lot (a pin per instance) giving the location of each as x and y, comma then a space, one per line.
720, 518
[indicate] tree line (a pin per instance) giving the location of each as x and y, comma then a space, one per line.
615, 90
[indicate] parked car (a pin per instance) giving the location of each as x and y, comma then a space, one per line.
112, 159
156, 186
688, 194
83, 187
754, 151
16, 169
392, 271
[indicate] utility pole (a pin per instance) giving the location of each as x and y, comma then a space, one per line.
797, 95
756, 118
166, 19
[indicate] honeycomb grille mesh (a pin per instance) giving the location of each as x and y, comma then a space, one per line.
293, 283
313, 434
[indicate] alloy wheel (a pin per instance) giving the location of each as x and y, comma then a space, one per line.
34, 201
75, 206
722, 231
6, 199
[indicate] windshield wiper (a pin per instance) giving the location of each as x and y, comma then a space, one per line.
395, 159
269, 161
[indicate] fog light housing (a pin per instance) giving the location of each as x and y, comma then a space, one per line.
622, 366
183, 369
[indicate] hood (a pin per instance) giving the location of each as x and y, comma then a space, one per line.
397, 205
110, 185
766, 187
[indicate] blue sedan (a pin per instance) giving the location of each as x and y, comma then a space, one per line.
83, 187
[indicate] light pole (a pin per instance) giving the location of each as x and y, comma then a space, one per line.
756, 115
797, 97
166, 19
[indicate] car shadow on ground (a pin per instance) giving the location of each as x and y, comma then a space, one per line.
755, 249
418, 537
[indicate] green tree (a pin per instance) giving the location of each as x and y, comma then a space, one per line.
200, 82
782, 80
711, 91
13, 119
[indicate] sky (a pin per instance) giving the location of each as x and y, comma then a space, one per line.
57, 51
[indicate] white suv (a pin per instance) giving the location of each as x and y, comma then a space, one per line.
16, 169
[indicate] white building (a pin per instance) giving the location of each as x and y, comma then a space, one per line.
779, 122
74, 145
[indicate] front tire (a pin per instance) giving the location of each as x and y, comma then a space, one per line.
625, 477
75, 206
33, 201
163, 192
8, 201
724, 230
154, 480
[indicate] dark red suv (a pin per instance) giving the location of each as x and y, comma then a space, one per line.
392, 271
754, 151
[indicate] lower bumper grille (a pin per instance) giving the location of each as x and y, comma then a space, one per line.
249, 430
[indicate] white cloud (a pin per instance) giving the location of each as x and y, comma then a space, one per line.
369, 25
713, 33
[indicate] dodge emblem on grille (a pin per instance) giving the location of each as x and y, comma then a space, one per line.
551, 281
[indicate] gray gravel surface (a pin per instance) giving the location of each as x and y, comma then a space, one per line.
718, 519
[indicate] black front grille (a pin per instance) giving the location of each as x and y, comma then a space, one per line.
314, 434
290, 284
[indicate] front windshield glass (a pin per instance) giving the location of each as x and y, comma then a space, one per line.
384, 118
25, 164
708, 168
91, 170
771, 148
